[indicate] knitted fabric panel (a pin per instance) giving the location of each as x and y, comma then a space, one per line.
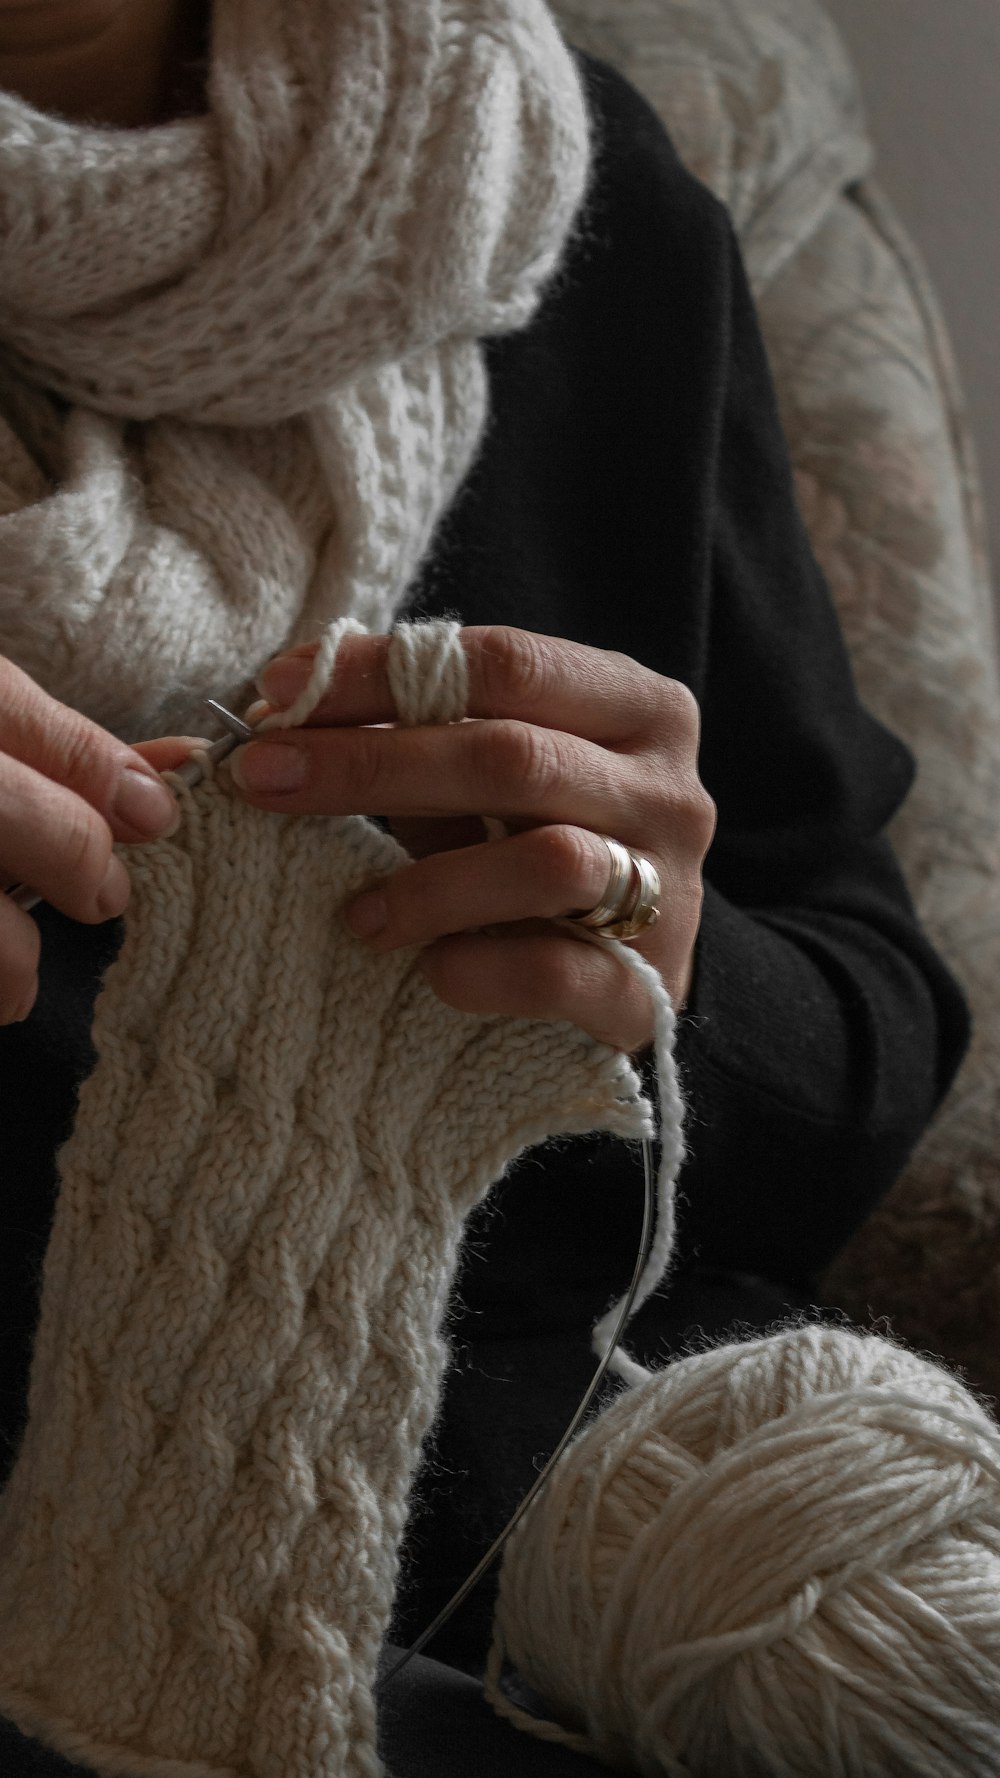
264, 322
240, 1343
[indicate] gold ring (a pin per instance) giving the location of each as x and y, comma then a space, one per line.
631, 900
617, 891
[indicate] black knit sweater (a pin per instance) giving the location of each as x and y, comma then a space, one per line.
633, 492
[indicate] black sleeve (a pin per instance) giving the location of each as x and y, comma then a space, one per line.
824, 1028
633, 491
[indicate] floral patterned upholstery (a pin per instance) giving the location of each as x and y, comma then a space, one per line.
761, 103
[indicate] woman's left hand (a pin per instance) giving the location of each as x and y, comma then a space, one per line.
565, 743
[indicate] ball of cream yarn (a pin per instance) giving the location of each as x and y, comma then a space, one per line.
780, 1558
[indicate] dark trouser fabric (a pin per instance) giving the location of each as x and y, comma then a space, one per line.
505, 1406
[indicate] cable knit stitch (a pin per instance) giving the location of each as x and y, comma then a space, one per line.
240, 1342
264, 322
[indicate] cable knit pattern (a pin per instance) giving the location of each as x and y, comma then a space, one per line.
240, 1342
264, 324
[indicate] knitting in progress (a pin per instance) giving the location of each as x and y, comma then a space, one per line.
241, 374
240, 1340
769, 1560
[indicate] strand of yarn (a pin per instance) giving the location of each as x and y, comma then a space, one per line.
672, 1146
266, 332
428, 672
258, 1222
428, 675
781, 1556
320, 679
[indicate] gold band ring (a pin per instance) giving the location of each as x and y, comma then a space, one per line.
630, 903
617, 891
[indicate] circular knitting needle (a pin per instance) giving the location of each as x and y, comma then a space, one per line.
191, 772
486, 1561
235, 724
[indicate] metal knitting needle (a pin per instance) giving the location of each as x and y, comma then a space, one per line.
472, 1580
191, 772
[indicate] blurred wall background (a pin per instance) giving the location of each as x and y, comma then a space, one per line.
930, 74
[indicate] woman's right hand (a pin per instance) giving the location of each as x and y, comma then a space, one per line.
68, 791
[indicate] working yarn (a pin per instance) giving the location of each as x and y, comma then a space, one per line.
264, 324
769, 1560
239, 1348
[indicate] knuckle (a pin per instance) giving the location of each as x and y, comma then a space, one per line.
680, 712
366, 768
561, 857
516, 667
686, 820
85, 849
707, 815
513, 753
699, 817
75, 755
693, 816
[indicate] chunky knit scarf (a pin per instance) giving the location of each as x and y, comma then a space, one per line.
238, 372
239, 383
240, 1344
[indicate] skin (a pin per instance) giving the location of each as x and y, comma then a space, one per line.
564, 743
69, 790
124, 63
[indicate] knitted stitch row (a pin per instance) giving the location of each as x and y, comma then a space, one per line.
240, 1344
264, 322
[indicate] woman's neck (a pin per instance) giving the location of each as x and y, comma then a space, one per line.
127, 63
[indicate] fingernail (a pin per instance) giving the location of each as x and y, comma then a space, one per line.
144, 803
283, 679
368, 915
26, 1007
112, 896
269, 768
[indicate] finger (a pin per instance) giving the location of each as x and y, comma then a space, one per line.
546, 680
510, 770
54, 841
541, 974
540, 874
65, 747
19, 949
170, 751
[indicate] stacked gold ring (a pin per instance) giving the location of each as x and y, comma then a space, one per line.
630, 903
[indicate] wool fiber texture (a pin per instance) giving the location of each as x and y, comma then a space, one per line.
240, 376
240, 1343
770, 1559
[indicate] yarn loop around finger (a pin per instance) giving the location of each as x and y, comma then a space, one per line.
428, 672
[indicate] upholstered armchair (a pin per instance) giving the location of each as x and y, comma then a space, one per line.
762, 104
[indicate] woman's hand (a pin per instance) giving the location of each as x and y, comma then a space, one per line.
68, 790
565, 743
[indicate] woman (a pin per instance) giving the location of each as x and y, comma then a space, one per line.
629, 491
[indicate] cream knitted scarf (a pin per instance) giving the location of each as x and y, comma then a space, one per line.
240, 1342
240, 384
239, 376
